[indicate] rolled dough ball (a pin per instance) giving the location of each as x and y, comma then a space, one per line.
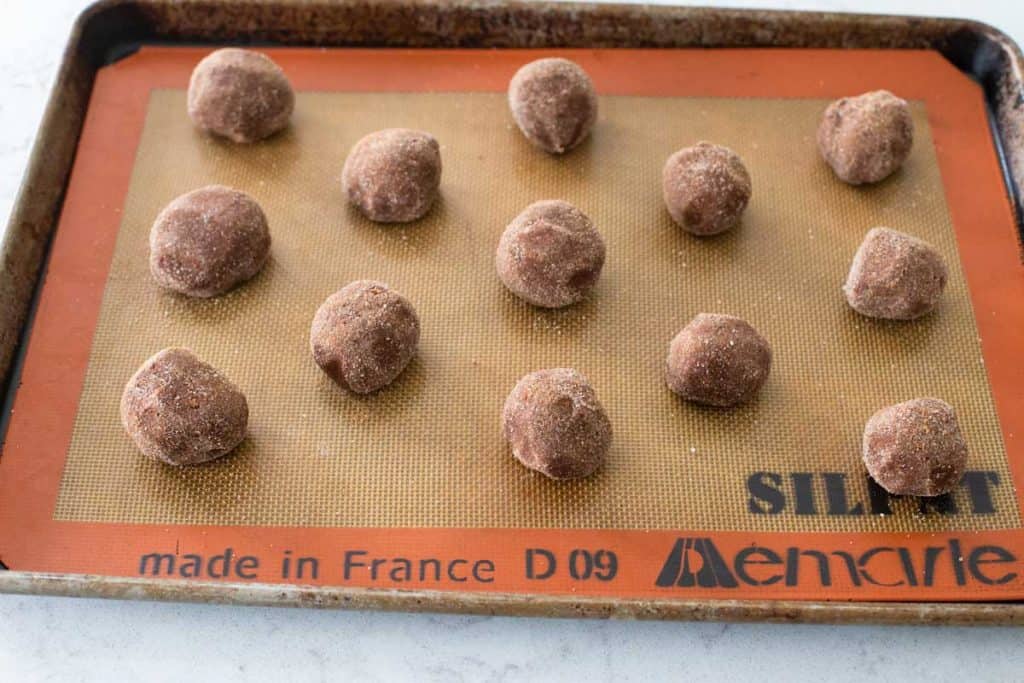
556, 425
718, 360
915, 448
208, 241
866, 138
553, 102
181, 411
706, 188
393, 175
895, 276
240, 94
364, 335
550, 255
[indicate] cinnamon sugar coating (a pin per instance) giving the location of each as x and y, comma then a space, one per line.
208, 241
866, 138
895, 276
718, 360
364, 335
393, 175
240, 94
555, 424
554, 103
182, 411
915, 448
706, 188
550, 255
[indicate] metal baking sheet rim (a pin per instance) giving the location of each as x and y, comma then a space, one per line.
507, 604
995, 57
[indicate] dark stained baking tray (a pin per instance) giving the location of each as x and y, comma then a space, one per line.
110, 30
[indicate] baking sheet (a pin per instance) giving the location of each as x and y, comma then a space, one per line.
769, 501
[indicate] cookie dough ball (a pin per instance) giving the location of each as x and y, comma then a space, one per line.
364, 335
393, 175
915, 448
553, 102
208, 241
866, 138
556, 425
895, 276
718, 360
706, 188
550, 255
240, 94
181, 411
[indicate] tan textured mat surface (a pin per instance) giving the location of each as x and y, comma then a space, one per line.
427, 451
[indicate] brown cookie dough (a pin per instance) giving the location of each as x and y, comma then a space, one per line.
240, 94
181, 411
915, 448
895, 276
866, 138
364, 335
393, 175
553, 102
208, 241
718, 360
556, 425
550, 255
706, 188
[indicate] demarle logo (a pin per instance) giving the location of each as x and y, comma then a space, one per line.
695, 562
699, 562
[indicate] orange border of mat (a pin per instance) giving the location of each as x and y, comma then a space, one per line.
963, 566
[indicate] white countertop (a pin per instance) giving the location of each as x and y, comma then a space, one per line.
65, 639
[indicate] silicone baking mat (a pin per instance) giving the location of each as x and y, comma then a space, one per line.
730, 499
